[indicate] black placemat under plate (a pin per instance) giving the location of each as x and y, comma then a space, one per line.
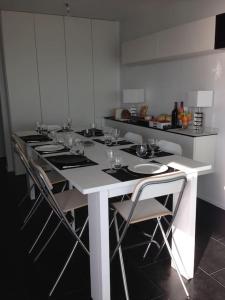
65, 162
119, 143
92, 133
124, 174
65, 149
132, 150
35, 138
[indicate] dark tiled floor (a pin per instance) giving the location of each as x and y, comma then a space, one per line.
24, 279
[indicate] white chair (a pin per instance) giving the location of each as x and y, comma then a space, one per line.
133, 137
143, 206
21, 151
170, 147
60, 203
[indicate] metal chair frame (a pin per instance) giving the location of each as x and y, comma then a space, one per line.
121, 236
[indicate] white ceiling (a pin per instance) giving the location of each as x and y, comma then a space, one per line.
137, 17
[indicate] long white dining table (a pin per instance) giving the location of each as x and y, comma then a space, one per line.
100, 187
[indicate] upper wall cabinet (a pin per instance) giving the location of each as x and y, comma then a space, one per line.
199, 37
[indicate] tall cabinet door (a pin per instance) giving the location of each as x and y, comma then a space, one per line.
79, 66
106, 67
21, 69
50, 40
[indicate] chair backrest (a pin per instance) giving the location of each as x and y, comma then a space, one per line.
170, 147
26, 163
46, 191
133, 137
159, 185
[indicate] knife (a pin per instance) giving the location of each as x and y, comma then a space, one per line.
76, 166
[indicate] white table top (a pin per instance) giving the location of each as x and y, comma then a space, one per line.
92, 179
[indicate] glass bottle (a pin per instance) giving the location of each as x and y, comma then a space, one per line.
174, 117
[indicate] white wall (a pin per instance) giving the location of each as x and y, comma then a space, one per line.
169, 81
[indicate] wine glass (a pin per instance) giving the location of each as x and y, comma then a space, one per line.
38, 127
141, 150
111, 156
153, 145
69, 123
116, 134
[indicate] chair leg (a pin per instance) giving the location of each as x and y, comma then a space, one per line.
25, 196
163, 244
46, 244
172, 257
121, 260
32, 211
64, 186
41, 232
154, 232
68, 259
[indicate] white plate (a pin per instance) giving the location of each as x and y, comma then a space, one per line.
49, 148
149, 168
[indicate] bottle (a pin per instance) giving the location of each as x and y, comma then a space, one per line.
180, 113
174, 117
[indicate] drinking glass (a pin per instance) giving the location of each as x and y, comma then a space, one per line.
141, 150
69, 140
117, 162
53, 136
116, 134
108, 138
111, 156
60, 138
78, 147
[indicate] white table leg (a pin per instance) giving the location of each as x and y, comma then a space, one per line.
99, 245
184, 229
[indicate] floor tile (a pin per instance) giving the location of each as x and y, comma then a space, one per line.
220, 276
213, 258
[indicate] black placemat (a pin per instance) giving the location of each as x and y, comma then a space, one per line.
124, 174
119, 143
35, 138
65, 149
65, 162
92, 132
132, 150
65, 130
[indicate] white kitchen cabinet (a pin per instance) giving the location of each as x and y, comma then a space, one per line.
51, 60
80, 70
106, 67
21, 69
139, 50
189, 39
58, 67
21, 73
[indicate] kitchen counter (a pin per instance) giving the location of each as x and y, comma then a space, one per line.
182, 131
199, 146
